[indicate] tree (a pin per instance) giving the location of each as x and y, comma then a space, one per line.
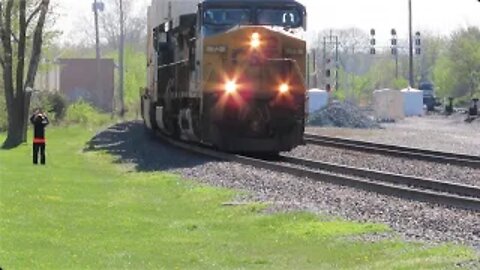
433, 47
457, 70
465, 59
135, 26
31, 16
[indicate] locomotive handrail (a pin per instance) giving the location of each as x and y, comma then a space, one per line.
173, 64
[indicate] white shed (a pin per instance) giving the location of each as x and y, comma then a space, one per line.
318, 99
388, 105
413, 102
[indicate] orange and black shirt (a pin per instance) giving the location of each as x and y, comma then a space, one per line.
39, 122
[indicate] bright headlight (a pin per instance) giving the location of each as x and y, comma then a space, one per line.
284, 88
231, 87
255, 40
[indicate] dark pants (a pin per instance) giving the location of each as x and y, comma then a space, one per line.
39, 147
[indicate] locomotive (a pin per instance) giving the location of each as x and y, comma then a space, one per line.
229, 74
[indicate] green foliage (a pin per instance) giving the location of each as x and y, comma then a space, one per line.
400, 83
135, 77
82, 211
339, 94
85, 114
458, 72
382, 73
452, 63
50, 102
443, 77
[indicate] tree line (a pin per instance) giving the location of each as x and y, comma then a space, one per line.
451, 63
28, 38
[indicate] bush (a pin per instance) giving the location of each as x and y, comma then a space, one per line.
58, 105
84, 114
51, 102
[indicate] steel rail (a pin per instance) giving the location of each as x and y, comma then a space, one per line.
406, 180
452, 200
394, 150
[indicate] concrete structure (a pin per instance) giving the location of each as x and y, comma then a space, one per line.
412, 102
48, 78
317, 99
78, 82
388, 105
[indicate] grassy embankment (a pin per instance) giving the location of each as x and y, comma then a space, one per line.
84, 212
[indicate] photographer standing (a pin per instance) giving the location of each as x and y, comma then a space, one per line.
39, 120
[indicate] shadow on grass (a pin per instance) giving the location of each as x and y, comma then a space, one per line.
133, 144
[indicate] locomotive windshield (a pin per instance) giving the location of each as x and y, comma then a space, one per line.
218, 19
227, 16
290, 17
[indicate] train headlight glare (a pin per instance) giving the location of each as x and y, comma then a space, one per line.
231, 87
284, 88
255, 41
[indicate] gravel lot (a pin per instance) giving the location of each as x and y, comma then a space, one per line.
441, 133
412, 220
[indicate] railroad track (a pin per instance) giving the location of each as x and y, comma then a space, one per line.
394, 150
407, 187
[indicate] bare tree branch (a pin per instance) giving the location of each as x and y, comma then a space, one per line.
14, 37
34, 13
37, 45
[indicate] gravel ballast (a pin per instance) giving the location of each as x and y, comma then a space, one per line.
424, 169
342, 114
412, 220
441, 133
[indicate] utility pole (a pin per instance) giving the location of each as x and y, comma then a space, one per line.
121, 58
337, 60
410, 36
96, 7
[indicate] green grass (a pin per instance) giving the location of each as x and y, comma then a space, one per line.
84, 212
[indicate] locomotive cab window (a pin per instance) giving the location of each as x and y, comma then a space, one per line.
288, 17
226, 16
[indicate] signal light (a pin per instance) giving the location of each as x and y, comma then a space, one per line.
373, 41
231, 87
255, 40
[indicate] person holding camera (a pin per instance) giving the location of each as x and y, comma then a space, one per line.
39, 120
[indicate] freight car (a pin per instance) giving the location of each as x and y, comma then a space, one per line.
230, 74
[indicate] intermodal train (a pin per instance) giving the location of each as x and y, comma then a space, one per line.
227, 73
